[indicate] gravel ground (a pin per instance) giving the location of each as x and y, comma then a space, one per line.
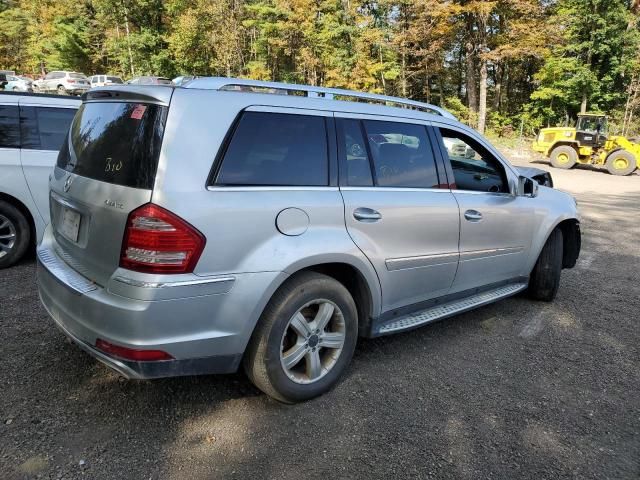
517, 389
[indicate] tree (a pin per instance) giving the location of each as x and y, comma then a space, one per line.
591, 64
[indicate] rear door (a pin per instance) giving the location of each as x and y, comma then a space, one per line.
43, 130
495, 225
106, 169
395, 211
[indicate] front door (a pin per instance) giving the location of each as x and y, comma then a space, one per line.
394, 211
495, 225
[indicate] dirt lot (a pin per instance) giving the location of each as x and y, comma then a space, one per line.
517, 389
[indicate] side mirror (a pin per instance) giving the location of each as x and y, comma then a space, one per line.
527, 187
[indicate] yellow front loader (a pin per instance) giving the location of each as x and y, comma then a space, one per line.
590, 144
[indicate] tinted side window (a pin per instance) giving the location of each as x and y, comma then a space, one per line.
276, 149
9, 127
402, 155
45, 128
354, 153
474, 168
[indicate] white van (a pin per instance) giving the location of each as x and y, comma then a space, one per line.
32, 130
104, 80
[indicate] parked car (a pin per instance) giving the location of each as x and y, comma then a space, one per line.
178, 81
18, 84
146, 80
197, 228
63, 83
32, 129
103, 80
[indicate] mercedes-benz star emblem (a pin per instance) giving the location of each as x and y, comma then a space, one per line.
67, 184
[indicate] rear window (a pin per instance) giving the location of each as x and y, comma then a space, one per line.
276, 149
117, 143
77, 75
114, 79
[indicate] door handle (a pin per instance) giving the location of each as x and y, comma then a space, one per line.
473, 215
366, 215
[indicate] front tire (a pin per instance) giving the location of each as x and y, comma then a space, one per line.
564, 157
621, 162
304, 339
15, 234
545, 276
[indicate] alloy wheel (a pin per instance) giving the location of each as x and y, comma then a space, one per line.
7, 236
312, 341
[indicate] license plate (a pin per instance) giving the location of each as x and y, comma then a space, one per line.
70, 225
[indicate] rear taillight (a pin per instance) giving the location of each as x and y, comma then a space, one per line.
158, 241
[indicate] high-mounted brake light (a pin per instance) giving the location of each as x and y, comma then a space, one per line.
158, 241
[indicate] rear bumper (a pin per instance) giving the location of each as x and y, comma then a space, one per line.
160, 369
204, 334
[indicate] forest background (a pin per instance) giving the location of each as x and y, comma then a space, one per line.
507, 66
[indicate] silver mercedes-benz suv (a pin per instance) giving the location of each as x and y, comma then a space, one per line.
232, 221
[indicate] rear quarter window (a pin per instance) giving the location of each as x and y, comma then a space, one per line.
276, 149
9, 126
117, 143
45, 128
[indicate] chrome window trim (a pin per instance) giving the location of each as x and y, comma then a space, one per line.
395, 189
289, 110
478, 192
261, 188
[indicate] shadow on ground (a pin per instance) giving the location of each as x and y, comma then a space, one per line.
518, 389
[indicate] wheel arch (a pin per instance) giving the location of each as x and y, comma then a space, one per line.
358, 277
564, 143
571, 241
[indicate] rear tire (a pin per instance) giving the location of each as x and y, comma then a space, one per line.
545, 276
15, 234
564, 157
621, 162
313, 368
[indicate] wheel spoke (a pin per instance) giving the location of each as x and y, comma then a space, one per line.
8, 236
293, 356
4, 224
300, 325
4, 248
314, 367
325, 312
332, 340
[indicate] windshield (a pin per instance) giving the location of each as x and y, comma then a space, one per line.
592, 124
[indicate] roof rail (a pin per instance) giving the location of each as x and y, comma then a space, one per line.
258, 86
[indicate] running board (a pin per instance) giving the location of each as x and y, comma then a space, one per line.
438, 312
